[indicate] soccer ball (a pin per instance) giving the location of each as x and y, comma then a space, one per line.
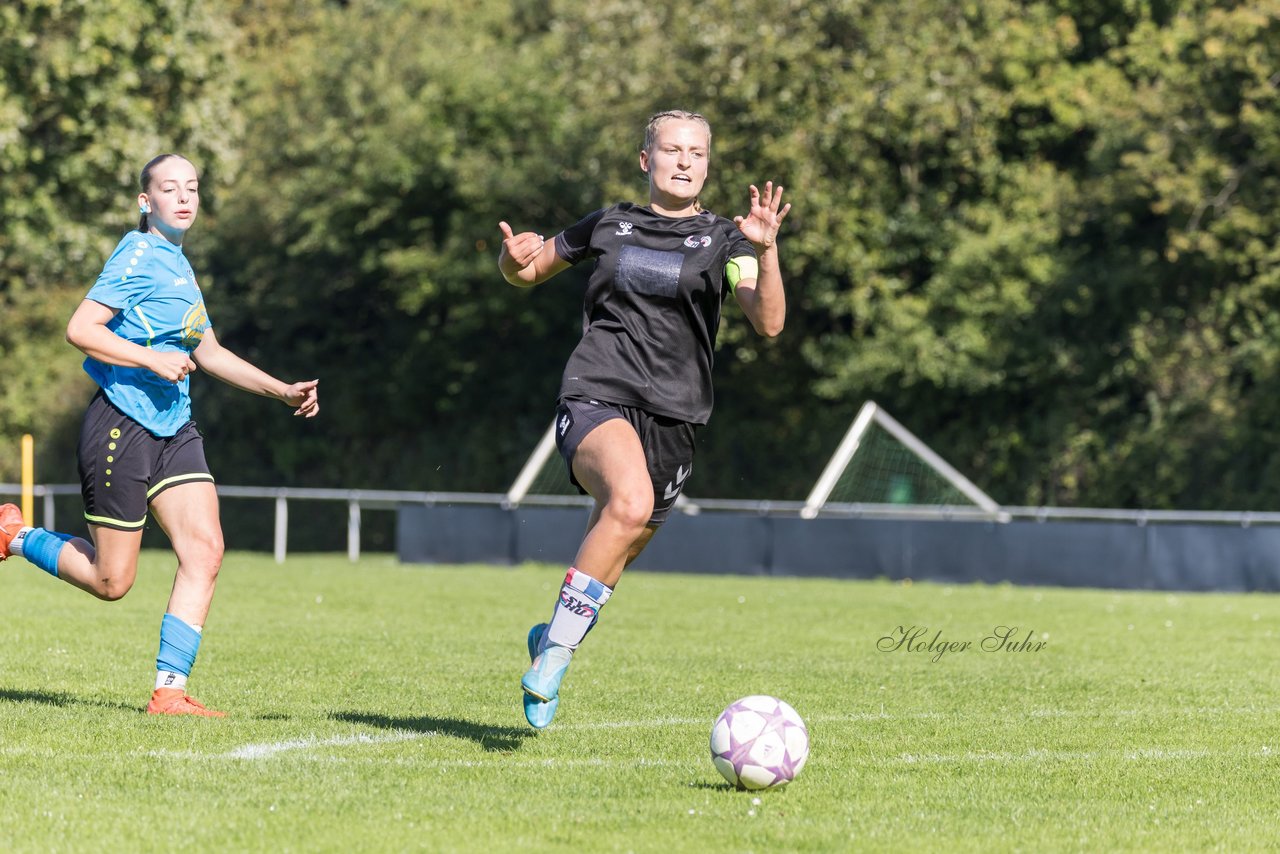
759, 742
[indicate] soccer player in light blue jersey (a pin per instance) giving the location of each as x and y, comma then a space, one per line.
144, 329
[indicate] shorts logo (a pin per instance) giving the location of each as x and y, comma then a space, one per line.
565, 422
576, 606
695, 242
624, 229
673, 488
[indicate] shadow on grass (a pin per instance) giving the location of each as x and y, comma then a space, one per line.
57, 698
499, 739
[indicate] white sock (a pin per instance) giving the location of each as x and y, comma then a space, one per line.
581, 598
168, 679
15, 545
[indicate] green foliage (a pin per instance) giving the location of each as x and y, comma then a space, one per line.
1040, 234
359, 246
88, 93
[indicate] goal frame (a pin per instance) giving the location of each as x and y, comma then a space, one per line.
871, 413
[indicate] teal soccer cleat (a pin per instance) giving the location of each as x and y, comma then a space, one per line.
535, 640
536, 712
542, 683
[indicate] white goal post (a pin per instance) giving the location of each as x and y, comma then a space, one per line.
872, 414
546, 447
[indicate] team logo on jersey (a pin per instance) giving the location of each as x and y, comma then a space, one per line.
695, 242
624, 229
193, 324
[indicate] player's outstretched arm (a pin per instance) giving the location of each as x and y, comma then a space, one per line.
226, 366
87, 331
763, 300
526, 259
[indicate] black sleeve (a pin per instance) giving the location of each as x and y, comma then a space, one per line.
738, 243
574, 243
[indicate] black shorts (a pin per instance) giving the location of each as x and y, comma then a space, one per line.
123, 466
667, 444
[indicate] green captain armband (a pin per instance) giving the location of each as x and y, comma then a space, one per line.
742, 267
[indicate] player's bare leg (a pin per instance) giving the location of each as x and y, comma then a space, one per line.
611, 466
189, 515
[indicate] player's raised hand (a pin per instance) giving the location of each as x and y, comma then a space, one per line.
305, 396
760, 226
518, 250
172, 365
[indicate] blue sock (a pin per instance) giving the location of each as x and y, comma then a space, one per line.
42, 547
178, 646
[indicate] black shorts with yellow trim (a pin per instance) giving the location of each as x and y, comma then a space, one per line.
123, 466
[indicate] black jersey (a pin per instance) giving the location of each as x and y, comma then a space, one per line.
652, 307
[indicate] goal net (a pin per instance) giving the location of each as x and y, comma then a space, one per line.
881, 462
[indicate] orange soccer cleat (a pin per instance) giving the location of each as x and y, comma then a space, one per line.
174, 701
10, 524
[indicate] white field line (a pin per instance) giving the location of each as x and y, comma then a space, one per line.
313, 744
264, 751
1033, 755
310, 746
316, 745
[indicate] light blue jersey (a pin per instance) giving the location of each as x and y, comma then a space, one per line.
151, 284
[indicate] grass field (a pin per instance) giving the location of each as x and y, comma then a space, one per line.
375, 707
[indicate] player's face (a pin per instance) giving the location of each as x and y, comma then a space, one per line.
677, 163
174, 197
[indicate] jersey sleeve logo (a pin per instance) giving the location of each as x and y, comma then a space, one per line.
693, 242
624, 229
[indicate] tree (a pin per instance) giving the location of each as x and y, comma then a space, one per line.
88, 93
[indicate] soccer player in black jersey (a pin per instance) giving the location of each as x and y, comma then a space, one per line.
639, 382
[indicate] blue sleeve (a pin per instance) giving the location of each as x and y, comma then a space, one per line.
125, 280
574, 243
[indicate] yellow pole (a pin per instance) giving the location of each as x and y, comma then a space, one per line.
28, 478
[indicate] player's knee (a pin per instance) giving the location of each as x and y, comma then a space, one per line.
209, 551
632, 510
111, 588
201, 554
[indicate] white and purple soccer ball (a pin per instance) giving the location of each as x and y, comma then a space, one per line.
759, 742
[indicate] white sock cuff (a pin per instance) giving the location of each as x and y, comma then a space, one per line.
15, 545
590, 587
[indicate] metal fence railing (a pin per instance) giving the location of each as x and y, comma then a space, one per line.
389, 499
355, 499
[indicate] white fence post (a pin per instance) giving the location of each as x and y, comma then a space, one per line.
353, 530
282, 527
